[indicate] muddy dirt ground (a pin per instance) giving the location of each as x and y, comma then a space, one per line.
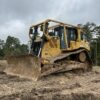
66, 86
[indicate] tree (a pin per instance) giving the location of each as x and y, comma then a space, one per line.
10, 45
89, 28
98, 44
97, 30
92, 29
24, 49
1, 44
2, 54
1, 49
13, 47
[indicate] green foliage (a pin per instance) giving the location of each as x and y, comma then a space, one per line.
2, 54
98, 51
92, 29
97, 30
13, 47
89, 28
1, 49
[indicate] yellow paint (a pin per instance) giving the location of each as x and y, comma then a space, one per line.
51, 50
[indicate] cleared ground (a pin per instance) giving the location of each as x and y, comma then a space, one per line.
66, 86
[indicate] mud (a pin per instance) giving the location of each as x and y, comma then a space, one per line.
63, 86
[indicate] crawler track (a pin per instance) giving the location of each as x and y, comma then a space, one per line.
63, 64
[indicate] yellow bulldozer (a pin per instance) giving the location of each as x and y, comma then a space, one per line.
55, 47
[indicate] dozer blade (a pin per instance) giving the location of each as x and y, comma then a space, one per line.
25, 66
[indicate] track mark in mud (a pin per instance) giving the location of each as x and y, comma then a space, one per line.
52, 90
4, 78
55, 96
96, 81
10, 97
73, 86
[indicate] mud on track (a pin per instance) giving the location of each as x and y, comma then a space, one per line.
66, 86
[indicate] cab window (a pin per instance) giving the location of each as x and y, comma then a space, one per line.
72, 34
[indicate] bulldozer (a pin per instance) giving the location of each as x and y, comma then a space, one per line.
55, 47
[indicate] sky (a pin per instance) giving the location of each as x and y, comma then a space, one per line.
16, 16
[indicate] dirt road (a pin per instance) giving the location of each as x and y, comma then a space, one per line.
66, 86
